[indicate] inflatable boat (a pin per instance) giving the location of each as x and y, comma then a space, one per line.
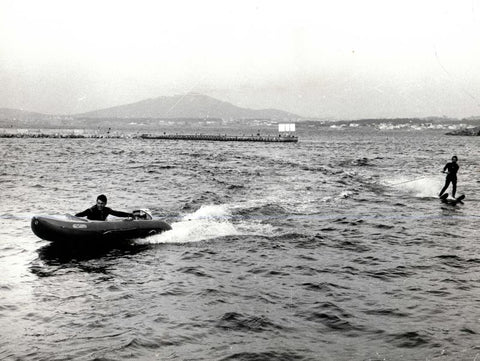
69, 228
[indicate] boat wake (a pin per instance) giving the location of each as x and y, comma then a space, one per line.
209, 222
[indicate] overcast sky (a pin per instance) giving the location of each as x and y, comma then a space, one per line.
329, 59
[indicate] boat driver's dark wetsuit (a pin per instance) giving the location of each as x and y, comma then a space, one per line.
452, 169
95, 214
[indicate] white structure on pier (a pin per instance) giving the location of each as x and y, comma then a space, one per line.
290, 127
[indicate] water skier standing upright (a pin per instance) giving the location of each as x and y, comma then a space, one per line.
451, 169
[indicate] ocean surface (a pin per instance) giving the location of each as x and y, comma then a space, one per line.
332, 248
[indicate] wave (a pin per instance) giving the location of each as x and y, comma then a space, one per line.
234, 321
409, 339
266, 356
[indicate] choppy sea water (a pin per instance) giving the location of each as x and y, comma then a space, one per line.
334, 248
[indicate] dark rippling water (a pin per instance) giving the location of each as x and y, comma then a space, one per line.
334, 248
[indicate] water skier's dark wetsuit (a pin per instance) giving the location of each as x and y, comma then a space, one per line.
452, 169
95, 214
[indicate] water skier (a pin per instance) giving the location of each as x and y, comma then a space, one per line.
451, 169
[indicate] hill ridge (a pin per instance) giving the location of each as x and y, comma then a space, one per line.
190, 105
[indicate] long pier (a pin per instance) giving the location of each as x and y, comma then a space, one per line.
224, 137
205, 137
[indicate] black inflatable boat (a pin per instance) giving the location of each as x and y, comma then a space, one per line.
70, 228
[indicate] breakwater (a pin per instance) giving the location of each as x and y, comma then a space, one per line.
205, 137
224, 137
466, 131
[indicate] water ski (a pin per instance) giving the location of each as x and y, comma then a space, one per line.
445, 199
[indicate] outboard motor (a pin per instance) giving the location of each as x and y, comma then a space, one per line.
142, 214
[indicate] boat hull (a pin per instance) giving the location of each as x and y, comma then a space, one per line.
80, 230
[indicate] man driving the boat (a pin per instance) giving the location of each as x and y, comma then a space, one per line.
100, 212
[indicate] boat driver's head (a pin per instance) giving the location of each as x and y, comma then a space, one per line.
101, 201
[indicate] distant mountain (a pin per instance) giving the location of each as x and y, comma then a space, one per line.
191, 106
22, 115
